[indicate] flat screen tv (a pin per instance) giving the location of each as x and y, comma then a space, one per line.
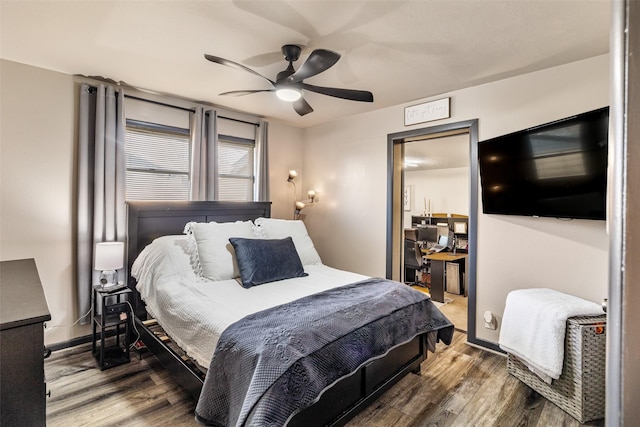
558, 169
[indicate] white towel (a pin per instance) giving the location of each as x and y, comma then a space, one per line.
534, 324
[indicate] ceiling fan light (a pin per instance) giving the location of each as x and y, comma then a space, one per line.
288, 94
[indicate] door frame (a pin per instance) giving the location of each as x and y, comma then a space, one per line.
395, 213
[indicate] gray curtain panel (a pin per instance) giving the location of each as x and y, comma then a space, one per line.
262, 162
203, 154
101, 182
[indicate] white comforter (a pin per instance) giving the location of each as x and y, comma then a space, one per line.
195, 311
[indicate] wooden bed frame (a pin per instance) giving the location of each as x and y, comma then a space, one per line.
149, 220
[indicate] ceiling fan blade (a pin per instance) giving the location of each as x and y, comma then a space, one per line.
246, 92
318, 61
232, 64
302, 107
350, 94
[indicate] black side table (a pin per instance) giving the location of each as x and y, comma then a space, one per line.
111, 320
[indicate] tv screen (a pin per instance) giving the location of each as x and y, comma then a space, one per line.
558, 169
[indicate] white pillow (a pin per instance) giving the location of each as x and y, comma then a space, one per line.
215, 254
270, 228
165, 256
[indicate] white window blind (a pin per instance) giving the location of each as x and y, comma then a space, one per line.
235, 168
157, 160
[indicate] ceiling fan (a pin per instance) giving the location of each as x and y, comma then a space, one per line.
289, 83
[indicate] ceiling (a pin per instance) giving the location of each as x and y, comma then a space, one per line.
401, 51
431, 153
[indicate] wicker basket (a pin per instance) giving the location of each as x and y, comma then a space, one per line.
580, 390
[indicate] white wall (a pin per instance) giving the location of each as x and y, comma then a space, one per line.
36, 192
446, 191
285, 153
348, 160
38, 110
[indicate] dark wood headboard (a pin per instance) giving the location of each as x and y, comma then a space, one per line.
149, 220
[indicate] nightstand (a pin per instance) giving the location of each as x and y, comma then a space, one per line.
111, 320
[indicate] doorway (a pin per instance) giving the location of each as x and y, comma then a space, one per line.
400, 145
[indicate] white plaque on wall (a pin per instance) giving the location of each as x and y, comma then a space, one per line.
407, 197
434, 110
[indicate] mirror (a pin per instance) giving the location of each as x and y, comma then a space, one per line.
401, 146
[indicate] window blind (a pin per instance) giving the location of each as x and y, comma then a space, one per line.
235, 168
157, 160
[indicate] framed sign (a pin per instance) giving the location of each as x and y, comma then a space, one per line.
407, 197
460, 227
429, 111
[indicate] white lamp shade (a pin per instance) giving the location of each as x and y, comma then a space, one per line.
299, 206
109, 256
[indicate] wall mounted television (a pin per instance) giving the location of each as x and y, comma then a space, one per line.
558, 169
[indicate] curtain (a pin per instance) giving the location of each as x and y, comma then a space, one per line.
203, 155
101, 215
262, 162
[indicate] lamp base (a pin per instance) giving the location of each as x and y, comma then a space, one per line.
108, 278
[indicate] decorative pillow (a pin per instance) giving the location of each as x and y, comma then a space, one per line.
266, 260
270, 228
215, 254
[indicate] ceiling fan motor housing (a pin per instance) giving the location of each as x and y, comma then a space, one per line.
291, 52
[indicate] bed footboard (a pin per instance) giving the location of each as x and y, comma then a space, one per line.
350, 395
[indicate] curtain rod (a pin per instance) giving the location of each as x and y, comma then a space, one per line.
126, 85
186, 109
164, 104
238, 120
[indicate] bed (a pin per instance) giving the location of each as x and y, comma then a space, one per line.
336, 396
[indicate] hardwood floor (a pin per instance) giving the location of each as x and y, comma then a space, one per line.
459, 385
455, 309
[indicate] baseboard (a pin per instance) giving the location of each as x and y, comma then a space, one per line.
71, 343
76, 341
485, 345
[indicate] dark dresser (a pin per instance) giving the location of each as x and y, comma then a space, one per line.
23, 310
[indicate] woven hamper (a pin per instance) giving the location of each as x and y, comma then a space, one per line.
580, 390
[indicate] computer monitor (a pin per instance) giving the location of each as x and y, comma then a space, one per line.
428, 233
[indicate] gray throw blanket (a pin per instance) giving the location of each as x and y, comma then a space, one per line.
272, 364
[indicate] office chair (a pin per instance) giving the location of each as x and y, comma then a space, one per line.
412, 262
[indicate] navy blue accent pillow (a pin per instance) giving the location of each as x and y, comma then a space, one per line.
266, 260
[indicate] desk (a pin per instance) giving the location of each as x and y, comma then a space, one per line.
438, 262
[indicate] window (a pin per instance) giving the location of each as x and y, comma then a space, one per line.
235, 168
157, 161
163, 141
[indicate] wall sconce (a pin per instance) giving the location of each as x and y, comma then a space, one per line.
299, 207
312, 195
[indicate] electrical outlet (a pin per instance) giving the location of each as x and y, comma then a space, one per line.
489, 320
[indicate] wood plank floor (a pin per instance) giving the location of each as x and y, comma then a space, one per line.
456, 310
459, 385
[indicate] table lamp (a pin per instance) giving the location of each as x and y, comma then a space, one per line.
109, 257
